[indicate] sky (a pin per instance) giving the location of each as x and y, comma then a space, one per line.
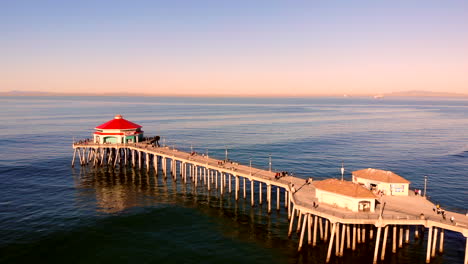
238, 47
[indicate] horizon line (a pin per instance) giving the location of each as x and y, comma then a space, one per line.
395, 94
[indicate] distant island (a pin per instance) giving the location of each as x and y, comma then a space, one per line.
375, 96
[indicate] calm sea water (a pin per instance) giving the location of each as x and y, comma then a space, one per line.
52, 213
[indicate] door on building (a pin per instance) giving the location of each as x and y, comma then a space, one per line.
364, 206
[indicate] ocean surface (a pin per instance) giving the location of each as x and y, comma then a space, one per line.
52, 213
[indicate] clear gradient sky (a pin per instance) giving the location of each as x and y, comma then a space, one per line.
234, 47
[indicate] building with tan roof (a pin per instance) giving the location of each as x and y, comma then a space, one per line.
345, 194
386, 182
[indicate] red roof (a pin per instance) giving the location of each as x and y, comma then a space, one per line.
118, 123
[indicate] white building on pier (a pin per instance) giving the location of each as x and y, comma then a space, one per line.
384, 181
345, 194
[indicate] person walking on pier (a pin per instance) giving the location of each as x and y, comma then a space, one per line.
452, 219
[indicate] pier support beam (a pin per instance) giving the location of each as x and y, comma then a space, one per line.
429, 244
348, 237
277, 198
269, 197
299, 221
155, 163
117, 157
245, 190
400, 238
74, 156
208, 182
79, 156
237, 188
363, 238
103, 157
221, 181
330, 245
354, 238
185, 171
147, 161
195, 176
377, 242
309, 229
291, 222
337, 241
252, 202
434, 243
407, 235
384, 243
325, 235
343, 233
359, 234
314, 242
260, 201
394, 239
205, 175
301, 239
96, 157
82, 156
441, 242
139, 160
321, 227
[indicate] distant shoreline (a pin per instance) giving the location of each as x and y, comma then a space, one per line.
410, 94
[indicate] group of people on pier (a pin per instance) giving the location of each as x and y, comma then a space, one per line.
281, 174
83, 141
441, 211
417, 192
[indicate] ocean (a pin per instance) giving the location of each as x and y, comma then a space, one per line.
53, 213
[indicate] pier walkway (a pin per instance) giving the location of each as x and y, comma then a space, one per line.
318, 220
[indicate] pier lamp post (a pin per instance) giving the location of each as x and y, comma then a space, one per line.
250, 165
207, 153
226, 154
342, 170
425, 185
164, 141
191, 148
269, 162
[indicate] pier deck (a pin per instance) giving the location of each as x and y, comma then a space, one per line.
390, 211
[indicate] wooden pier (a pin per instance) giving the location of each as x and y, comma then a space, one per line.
322, 223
